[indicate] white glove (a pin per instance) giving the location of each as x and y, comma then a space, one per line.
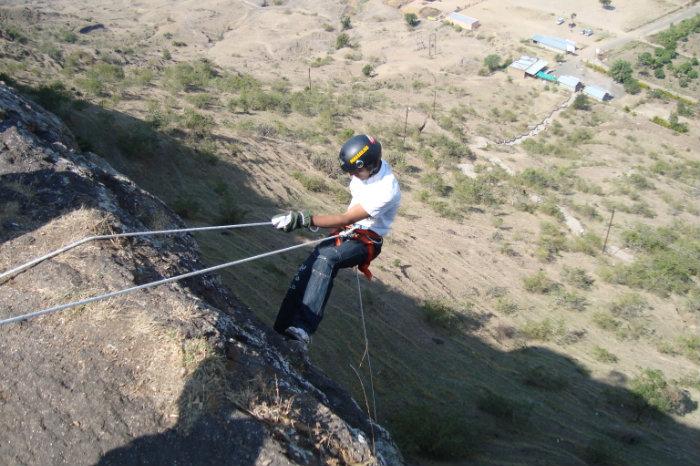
292, 220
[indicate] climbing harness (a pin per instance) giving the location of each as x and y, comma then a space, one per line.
70, 246
367, 237
113, 294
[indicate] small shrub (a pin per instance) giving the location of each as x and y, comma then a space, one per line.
571, 300
186, 207
475, 191
188, 76
435, 183
546, 379
651, 386
690, 347
440, 435
632, 86
602, 355
544, 330
201, 101
342, 41
68, 36
629, 306
500, 407
505, 306
492, 62
602, 453
550, 242
368, 70
440, 314
230, 213
581, 102
345, 23
550, 207
136, 141
14, 34
587, 243
576, 276
199, 124
411, 19
606, 321
312, 183
540, 283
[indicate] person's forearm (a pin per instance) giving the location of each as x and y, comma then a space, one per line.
330, 221
353, 214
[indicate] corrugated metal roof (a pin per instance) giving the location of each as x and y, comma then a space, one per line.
571, 81
523, 63
564, 45
546, 76
537, 66
462, 18
596, 92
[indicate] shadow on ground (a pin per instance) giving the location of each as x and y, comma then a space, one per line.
446, 395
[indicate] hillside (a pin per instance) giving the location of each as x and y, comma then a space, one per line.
181, 373
501, 331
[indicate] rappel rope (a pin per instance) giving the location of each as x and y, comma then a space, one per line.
365, 354
101, 297
70, 246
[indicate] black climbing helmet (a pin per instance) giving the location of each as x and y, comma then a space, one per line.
360, 151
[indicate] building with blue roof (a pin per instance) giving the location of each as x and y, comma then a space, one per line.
555, 44
597, 93
572, 83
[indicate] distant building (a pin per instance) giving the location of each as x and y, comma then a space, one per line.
527, 66
544, 74
465, 22
571, 83
555, 43
597, 93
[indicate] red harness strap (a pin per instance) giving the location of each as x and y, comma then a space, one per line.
369, 238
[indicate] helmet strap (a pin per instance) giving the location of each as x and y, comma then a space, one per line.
375, 168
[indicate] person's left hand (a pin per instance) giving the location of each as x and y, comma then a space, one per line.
292, 220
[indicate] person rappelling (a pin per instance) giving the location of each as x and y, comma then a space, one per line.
375, 200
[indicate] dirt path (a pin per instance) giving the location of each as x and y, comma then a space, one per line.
544, 124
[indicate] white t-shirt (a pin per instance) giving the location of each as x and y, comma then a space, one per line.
380, 196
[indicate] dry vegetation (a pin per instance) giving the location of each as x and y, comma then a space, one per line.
489, 315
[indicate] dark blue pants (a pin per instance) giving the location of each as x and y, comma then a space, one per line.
310, 288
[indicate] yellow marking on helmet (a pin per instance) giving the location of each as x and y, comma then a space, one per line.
359, 154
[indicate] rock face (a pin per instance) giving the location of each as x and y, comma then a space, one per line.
181, 373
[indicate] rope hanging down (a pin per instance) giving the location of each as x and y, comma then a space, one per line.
62, 307
70, 246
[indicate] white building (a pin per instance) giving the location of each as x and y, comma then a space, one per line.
465, 22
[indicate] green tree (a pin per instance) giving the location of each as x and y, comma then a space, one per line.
411, 19
605, 3
492, 62
621, 71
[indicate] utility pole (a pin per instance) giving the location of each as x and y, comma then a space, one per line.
405, 127
434, 94
612, 215
309, 78
432, 45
